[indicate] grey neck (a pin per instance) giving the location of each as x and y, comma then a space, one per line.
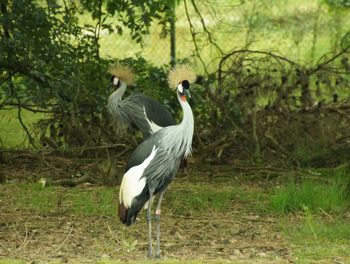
177, 139
114, 99
187, 125
118, 94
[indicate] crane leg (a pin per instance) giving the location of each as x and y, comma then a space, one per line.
149, 223
157, 218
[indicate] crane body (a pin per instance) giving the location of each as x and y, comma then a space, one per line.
156, 161
142, 111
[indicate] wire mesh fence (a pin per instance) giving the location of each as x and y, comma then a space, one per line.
208, 30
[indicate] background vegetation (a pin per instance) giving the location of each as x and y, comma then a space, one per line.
273, 77
272, 139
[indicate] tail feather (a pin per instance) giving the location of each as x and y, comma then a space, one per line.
123, 211
128, 215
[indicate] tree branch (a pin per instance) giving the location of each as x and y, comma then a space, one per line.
210, 38
193, 34
321, 65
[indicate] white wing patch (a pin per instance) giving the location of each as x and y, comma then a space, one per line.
154, 127
132, 183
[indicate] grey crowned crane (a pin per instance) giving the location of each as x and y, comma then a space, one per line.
147, 114
155, 162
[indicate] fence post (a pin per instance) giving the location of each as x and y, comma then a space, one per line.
172, 34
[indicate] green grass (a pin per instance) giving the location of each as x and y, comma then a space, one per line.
318, 197
318, 238
200, 197
36, 198
40, 199
315, 195
12, 261
311, 234
103, 201
179, 261
194, 197
318, 230
12, 133
293, 197
163, 261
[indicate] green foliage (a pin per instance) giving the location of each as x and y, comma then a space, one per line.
312, 195
306, 151
44, 54
50, 62
138, 15
151, 80
338, 3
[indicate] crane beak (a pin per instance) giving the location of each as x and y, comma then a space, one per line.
187, 93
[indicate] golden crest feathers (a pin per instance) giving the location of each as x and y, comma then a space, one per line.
123, 73
180, 73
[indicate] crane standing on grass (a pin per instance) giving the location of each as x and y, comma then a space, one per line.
156, 160
147, 114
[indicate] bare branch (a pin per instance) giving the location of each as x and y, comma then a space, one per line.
193, 34
205, 29
326, 62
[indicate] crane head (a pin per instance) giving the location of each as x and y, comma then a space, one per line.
180, 78
183, 90
121, 73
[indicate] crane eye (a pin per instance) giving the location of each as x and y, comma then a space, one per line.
115, 81
180, 88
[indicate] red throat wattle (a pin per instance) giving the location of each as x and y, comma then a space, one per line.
183, 98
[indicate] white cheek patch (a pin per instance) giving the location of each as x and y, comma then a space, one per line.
115, 81
180, 88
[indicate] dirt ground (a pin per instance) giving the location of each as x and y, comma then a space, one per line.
237, 234
234, 235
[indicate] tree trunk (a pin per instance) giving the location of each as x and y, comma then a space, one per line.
172, 36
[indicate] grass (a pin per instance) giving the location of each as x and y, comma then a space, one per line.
166, 261
311, 234
83, 201
318, 231
294, 197
12, 134
317, 238
315, 196
79, 201
201, 197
